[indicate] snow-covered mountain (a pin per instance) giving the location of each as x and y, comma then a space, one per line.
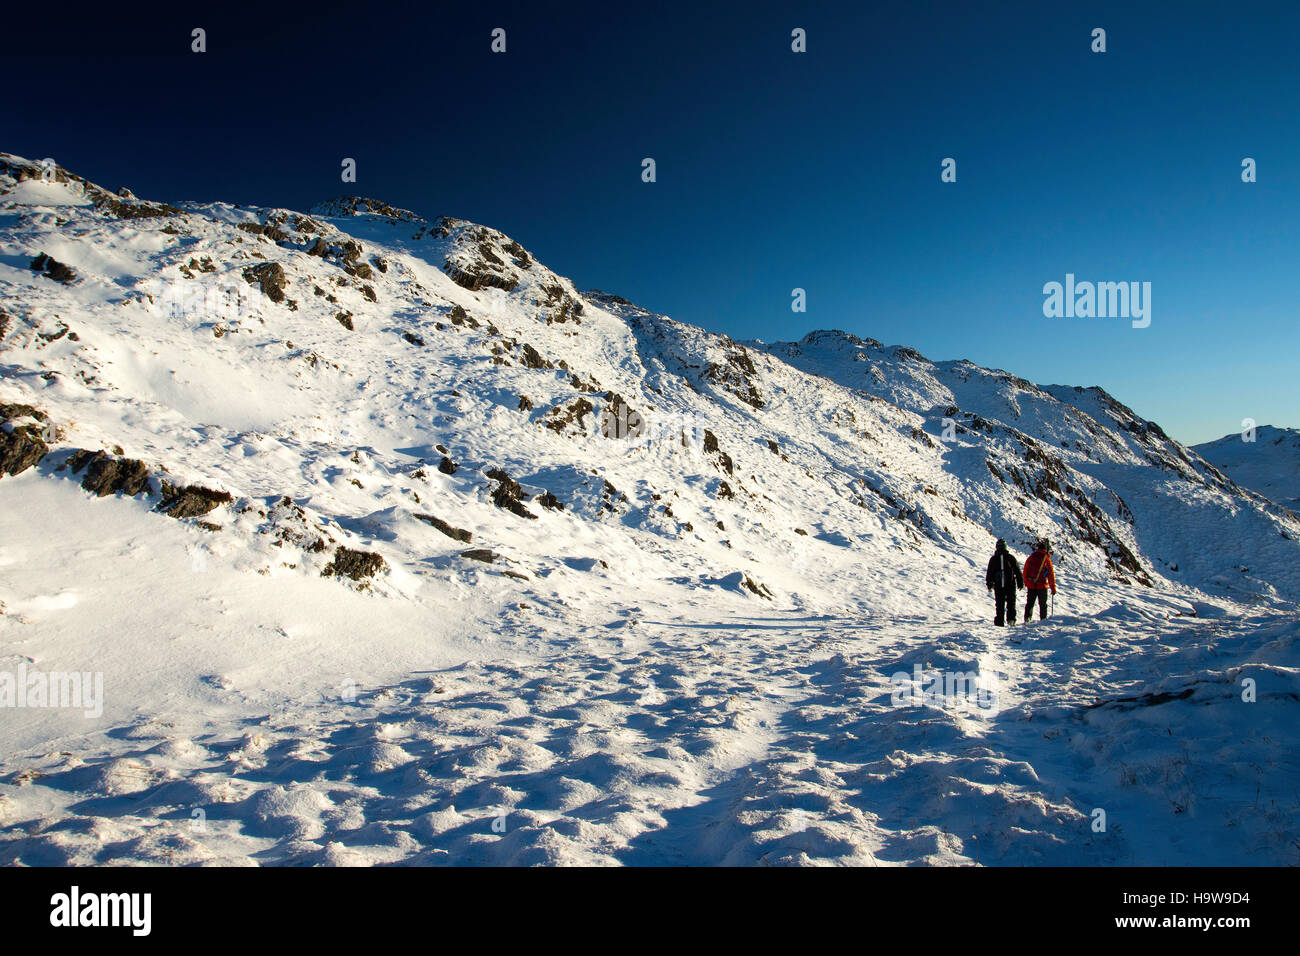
1265, 459
254, 459
1107, 477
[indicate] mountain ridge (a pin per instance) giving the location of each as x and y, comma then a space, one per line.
946, 453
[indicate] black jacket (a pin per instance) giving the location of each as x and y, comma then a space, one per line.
1004, 572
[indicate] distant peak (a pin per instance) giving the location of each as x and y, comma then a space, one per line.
831, 336
362, 206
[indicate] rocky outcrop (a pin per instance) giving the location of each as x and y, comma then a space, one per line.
270, 278
508, 494
53, 269
23, 430
358, 566
458, 534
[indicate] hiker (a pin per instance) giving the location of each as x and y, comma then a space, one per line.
1039, 576
1004, 580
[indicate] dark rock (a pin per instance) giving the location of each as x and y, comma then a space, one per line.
191, 501
54, 269
357, 565
350, 252
508, 494
525, 403
722, 459
270, 277
413, 339
548, 500
345, 320
533, 358
107, 474
447, 466
269, 231
485, 555
460, 534
21, 447
575, 411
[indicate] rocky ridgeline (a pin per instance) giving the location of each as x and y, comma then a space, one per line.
525, 376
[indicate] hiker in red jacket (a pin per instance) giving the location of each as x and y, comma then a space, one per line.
1039, 576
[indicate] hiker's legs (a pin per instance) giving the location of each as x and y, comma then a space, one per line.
1041, 595
1006, 605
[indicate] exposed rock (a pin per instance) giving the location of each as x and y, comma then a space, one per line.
447, 466
53, 269
108, 474
460, 534
357, 565
561, 418
548, 500
533, 358
721, 458
736, 373
269, 277
268, 231
486, 555
191, 501
21, 446
508, 494
360, 205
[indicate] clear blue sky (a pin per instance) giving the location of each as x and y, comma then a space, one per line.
775, 170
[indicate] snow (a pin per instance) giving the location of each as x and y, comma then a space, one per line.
1264, 459
695, 660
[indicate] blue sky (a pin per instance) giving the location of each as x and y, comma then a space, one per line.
775, 170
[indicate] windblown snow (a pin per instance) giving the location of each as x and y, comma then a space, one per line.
361, 538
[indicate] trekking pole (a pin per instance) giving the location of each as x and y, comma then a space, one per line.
1053, 613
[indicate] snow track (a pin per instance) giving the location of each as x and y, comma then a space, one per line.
771, 740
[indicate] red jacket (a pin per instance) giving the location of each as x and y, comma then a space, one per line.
1039, 573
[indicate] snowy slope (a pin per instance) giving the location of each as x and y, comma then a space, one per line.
1155, 507
1270, 464
375, 528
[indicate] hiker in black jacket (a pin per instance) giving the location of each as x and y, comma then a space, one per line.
1004, 580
